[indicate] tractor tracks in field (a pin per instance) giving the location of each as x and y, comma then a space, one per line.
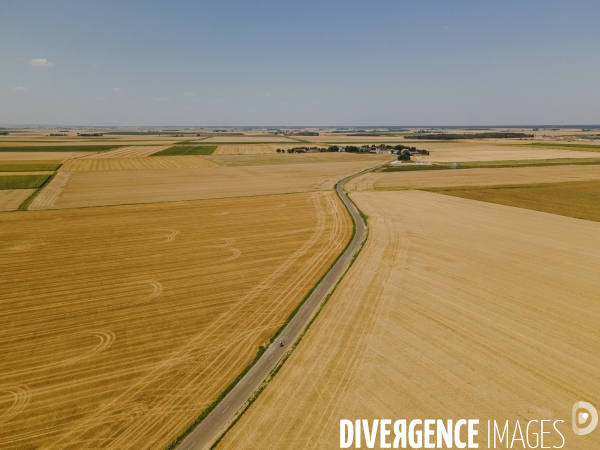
232, 405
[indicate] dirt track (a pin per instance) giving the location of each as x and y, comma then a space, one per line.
454, 309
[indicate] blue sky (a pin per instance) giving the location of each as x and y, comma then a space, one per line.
135, 63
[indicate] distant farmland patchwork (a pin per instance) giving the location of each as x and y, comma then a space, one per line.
148, 272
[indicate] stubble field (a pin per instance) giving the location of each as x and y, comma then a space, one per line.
133, 163
119, 325
430, 179
454, 309
133, 151
114, 187
12, 199
245, 150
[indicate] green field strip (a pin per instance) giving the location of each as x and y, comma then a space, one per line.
22, 181
8, 167
179, 150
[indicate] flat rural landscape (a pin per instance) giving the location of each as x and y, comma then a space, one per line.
141, 280
299, 225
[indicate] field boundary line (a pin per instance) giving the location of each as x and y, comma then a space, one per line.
23, 206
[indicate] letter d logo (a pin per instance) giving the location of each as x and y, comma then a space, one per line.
582, 417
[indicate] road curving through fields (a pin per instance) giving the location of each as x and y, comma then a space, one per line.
217, 421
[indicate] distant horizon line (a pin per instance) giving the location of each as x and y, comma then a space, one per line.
153, 127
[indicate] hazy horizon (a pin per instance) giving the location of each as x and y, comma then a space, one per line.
133, 64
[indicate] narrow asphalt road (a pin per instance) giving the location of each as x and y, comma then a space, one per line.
214, 424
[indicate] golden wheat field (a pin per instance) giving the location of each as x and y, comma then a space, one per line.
113, 187
454, 309
119, 325
430, 179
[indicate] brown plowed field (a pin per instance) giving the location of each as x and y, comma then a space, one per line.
454, 309
99, 188
132, 163
119, 325
134, 151
431, 179
12, 199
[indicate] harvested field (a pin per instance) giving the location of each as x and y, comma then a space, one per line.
495, 164
114, 187
10, 200
448, 153
295, 158
28, 181
48, 195
134, 151
430, 179
57, 148
248, 139
187, 150
46, 157
567, 146
579, 199
245, 150
454, 309
134, 318
154, 163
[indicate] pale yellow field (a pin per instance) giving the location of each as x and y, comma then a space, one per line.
12, 199
119, 325
132, 163
133, 151
114, 187
295, 158
454, 309
473, 177
244, 150
250, 139
48, 195
493, 153
25, 157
